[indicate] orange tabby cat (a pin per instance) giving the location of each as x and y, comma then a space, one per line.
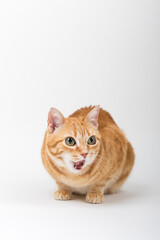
86, 153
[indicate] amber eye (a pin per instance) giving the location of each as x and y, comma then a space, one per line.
70, 141
91, 140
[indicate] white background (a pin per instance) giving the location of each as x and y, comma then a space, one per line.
68, 54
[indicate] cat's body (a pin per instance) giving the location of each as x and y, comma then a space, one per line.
86, 153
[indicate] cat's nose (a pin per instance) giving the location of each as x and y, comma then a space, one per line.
84, 155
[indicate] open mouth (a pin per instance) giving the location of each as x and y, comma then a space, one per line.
78, 165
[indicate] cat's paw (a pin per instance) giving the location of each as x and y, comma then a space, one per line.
94, 198
62, 195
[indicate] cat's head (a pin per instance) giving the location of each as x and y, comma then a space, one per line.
74, 142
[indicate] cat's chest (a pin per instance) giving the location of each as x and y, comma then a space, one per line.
80, 190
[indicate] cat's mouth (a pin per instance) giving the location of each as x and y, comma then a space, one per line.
78, 165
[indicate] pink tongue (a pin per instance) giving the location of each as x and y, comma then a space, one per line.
78, 165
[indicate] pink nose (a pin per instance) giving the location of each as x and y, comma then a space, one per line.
84, 155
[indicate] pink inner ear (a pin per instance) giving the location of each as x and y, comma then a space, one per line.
92, 116
55, 119
51, 123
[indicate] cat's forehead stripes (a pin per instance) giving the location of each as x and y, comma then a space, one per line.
82, 135
78, 128
74, 129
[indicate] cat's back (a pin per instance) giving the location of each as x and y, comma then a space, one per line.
103, 119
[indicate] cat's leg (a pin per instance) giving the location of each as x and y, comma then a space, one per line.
64, 192
95, 193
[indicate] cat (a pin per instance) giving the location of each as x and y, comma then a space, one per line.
86, 153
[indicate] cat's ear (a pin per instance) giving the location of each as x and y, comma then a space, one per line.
92, 116
55, 119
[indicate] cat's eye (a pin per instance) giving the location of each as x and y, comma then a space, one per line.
70, 141
91, 140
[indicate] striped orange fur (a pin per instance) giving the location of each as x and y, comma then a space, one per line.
85, 168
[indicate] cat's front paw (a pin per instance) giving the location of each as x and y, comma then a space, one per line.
62, 195
94, 198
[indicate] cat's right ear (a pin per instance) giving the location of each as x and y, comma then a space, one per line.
92, 116
55, 119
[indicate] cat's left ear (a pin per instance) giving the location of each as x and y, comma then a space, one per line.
92, 116
55, 119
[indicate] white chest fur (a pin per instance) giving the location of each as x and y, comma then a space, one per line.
80, 190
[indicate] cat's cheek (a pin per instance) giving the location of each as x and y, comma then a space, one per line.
59, 163
91, 159
89, 163
68, 163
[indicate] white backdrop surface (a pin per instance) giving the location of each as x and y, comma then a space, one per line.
70, 54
